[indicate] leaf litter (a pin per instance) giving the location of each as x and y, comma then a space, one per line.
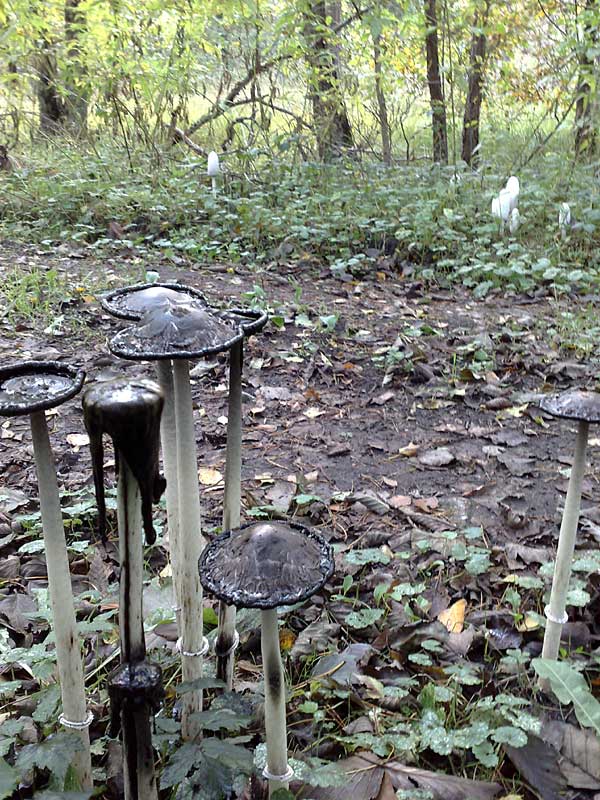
427, 463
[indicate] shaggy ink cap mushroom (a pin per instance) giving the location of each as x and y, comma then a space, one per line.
129, 412
584, 408
134, 686
266, 564
132, 302
30, 386
576, 404
182, 331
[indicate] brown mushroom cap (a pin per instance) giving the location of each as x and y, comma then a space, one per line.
29, 386
575, 404
170, 331
132, 302
266, 564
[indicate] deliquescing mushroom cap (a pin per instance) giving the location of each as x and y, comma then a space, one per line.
129, 412
170, 331
29, 386
574, 404
266, 564
132, 302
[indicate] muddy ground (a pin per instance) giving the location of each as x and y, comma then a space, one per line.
373, 409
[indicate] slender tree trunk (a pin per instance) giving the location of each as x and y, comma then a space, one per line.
331, 123
470, 137
585, 131
434, 81
52, 109
76, 104
384, 125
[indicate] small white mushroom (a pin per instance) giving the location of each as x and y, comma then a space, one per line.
514, 220
213, 170
564, 219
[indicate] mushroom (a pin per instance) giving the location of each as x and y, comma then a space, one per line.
132, 302
179, 333
32, 387
265, 565
585, 408
212, 170
227, 636
129, 412
564, 219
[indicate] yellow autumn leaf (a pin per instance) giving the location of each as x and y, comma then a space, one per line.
209, 476
286, 639
528, 623
453, 618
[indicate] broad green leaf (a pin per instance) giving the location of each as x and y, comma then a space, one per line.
570, 687
364, 618
54, 754
9, 778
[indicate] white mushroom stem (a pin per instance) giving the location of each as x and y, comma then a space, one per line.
68, 646
191, 546
214, 186
168, 438
138, 757
277, 771
227, 635
555, 611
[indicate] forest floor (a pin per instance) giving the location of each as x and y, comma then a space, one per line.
403, 421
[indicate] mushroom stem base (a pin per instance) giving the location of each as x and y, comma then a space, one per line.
275, 721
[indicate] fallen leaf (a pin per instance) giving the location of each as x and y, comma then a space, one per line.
454, 617
400, 501
78, 440
411, 449
440, 457
209, 476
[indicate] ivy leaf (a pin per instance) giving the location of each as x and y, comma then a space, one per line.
506, 734
9, 778
570, 687
364, 618
221, 719
485, 754
54, 754
180, 763
46, 707
200, 684
370, 555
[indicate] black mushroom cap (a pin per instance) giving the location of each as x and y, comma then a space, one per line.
251, 320
266, 564
129, 412
132, 302
170, 331
574, 404
29, 386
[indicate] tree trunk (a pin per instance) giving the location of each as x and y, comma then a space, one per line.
76, 104
384, 125
52, 108
434, 81
331, 123
470, 137
585, 132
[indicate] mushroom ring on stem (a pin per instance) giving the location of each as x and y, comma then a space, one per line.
32, 387
179, 333
129, 412
265, 565
583, 407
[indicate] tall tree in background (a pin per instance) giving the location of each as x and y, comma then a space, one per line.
330, 118
470, 137
76, 102
51, 105
434, 81
585, 131
382, 113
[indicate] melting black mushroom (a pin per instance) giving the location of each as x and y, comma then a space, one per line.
132, 302
129, 412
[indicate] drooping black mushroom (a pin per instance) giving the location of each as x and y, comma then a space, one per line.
179, 333
32, 387
584, 407
227, 636
129, 412
265, 565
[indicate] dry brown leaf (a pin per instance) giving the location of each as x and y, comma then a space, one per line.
453, 618
209, 476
